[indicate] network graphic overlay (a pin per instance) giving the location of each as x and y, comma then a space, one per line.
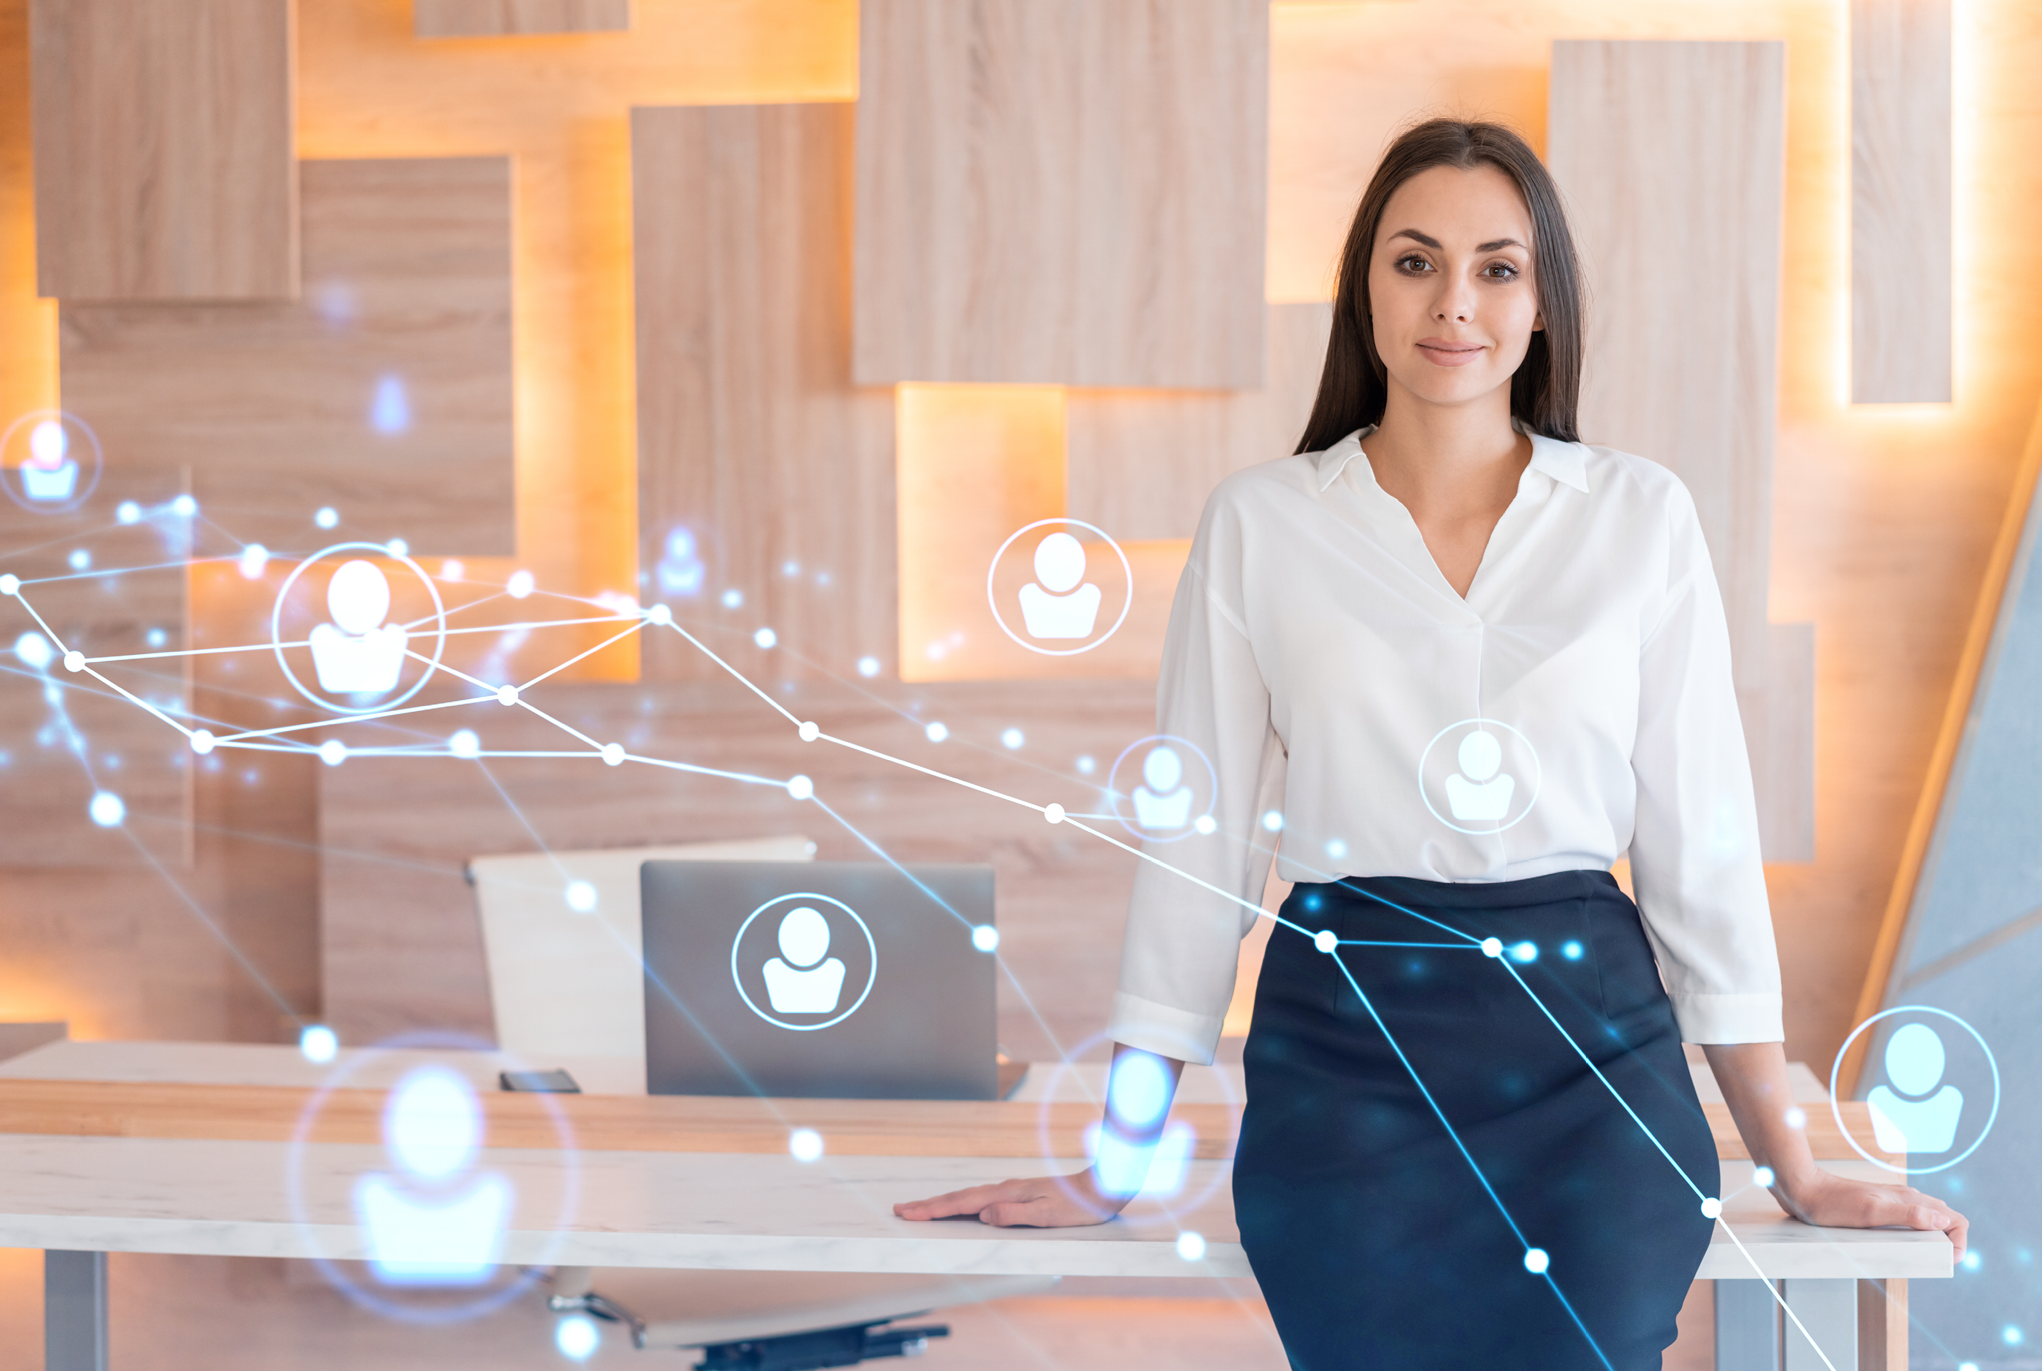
629, 618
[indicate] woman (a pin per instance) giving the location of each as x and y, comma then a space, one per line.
1462, 662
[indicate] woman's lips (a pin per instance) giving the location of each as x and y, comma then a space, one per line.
1450, 354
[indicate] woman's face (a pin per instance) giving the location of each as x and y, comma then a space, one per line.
1450, 284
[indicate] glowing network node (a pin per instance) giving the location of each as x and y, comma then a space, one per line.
790, 568
804, 1145
1971, 1260
581, 897
800, 788
2012, 1335
1762, 1176
326, 516
660, 614
507, 695
809, 730
1273, 821
107, 809
1191, 1246
1140, 1089
1492, 947
1712, 1208
333, 752
521, 584
184, 507
1572, 950
1536, 1261
398, 547
765, 637
1524, 952
253, 559
1086, 765
451, 569
613, 754
732, 598
318, 1043
10, 584
1324, 940
33, 650
1967, 1366
202, 741
128, 512
868, 666
1796, 1116
1335, 848
937, 731
577, 1337
1012, 738
465, 743
74, 660
79, 559
1206, 824
1053, 812
985, 937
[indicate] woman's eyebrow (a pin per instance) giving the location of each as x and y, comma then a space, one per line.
1433, 243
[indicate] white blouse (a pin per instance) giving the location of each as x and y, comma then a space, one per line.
1322, 682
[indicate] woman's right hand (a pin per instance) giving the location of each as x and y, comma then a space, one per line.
1071, 1201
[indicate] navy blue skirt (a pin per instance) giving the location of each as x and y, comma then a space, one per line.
1375, 1217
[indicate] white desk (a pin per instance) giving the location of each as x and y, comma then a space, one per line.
712, 1210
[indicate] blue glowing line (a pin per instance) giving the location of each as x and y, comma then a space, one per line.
1468, 1157
489, 699
735, 674
703, 770
1448, 947
1249, 905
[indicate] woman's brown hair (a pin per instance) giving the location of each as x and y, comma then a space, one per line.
1546, 389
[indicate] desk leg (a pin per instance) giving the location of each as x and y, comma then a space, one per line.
74, 1311
1828, 1310
1747, 1327
1882, 1325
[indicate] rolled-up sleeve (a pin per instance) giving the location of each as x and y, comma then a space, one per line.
1695, 859
1187, 917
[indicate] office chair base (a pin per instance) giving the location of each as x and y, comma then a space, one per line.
829, 1347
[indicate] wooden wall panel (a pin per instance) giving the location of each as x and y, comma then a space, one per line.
1779, 730
1062, 191
65, 736
1141, 463
1901, 272
1670, 152
482, 18
384, 392
751, 436
401, 938
164, 134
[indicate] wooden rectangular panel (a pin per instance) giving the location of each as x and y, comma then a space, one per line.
1779, 732
402, 946
1141, 463
385, 392
1671, 153
1900, 201
66, 736
761, 468
1062, 191
164, 134
481, 18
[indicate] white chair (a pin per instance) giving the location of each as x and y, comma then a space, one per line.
567, 987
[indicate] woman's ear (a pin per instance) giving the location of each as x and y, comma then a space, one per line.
1538, 322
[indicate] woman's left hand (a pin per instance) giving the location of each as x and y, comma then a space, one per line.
1828, 1200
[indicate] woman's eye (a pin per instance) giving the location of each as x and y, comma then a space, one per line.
1412, 263
1501, 271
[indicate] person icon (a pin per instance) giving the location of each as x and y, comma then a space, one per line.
1163, 802
358, 654
681, 571
49, 473
1906, 1116
1055, 605
435, 1222
804, 983
1476, 792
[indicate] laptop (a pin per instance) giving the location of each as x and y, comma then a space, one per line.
819, 980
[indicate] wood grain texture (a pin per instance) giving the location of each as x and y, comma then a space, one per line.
1141, 463
1672, 152
1062, 191
751, 435
401, 939
67, 735
385, 392
164, 135
1882, 1325
486, 18
1901, 275
1779, 732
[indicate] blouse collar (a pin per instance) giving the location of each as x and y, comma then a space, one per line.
1566, 463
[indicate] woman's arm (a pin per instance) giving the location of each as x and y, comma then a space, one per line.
1082, 1198
1754, 1081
